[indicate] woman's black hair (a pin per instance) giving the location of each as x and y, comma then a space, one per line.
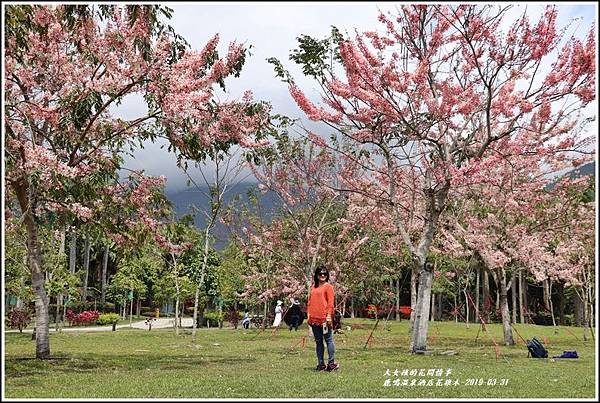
316, 275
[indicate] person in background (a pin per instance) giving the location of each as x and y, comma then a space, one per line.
278, 314
246, 320
294, 314
320, 310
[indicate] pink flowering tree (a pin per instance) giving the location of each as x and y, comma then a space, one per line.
309, 228
508, 217
359, 262
297, 172
368, 205
567, 223
67, 67
441, 93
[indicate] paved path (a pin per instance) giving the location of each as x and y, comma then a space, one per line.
159, 323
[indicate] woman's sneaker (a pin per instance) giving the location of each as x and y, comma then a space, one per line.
321, 367
332, 366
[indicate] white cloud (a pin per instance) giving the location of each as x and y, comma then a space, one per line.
272, 29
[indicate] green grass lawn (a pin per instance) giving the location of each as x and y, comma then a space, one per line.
227, 363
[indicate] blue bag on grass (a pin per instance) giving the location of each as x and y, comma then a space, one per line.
567, 354
536, 349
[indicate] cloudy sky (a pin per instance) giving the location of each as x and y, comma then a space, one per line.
272, 29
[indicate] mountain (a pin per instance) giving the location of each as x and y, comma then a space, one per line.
195, 201
584, 170
588, 169
185, 202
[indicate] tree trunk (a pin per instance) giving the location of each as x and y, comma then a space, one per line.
486, 296
138, 307
590, 321
131, 309
34, 254
579, 314
456, 309
466, 307
586, 321
104, 270
352, 315
72, 257
440, 305
42, 350
266, 311
59, 297
220, 310
546, 294
590, 293
413, 296
203, 270
508, 337
550, 302
477, 275
561, 303
497, 297
73, 251
398, 299
513, 293
176, 295
195, 314
177, 312
521, 299
421, 325
432, 307
524, 292
86, 268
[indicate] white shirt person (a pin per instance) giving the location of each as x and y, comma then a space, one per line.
278, 313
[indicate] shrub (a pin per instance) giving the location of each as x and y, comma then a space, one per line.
108, 318
543, 318
18, 319
234, 317
70, 316
372, 311
213, 318
83, 318
568, 320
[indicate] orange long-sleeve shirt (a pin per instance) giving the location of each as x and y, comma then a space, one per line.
320, 303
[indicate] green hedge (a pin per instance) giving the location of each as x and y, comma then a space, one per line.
213, 318
108, 318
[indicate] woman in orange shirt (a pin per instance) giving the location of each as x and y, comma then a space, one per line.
319, 317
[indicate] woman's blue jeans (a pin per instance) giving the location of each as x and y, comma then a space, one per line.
318, 333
